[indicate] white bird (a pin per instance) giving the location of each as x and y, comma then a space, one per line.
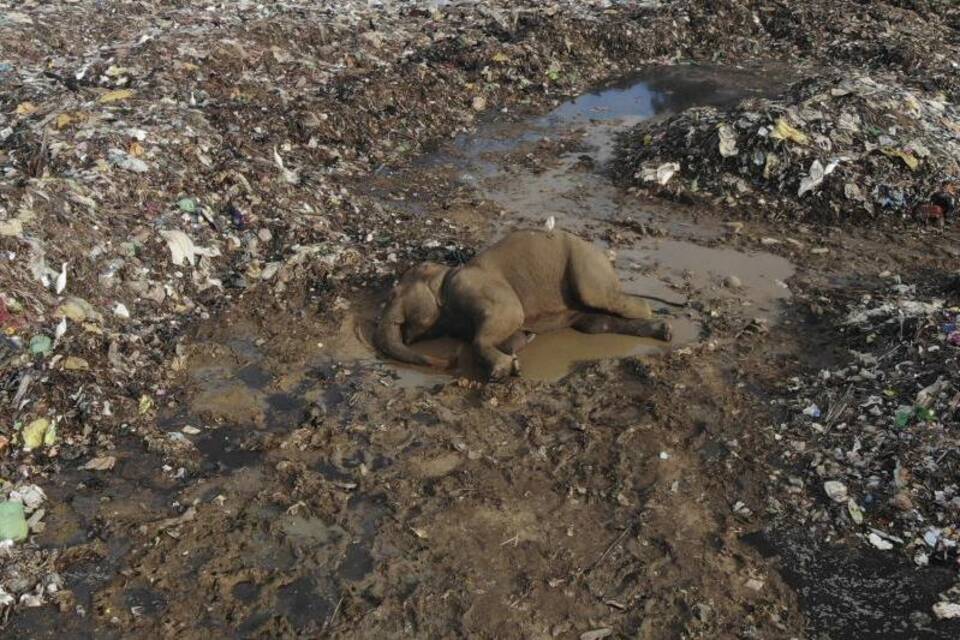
61, 330
62, 279
550, 223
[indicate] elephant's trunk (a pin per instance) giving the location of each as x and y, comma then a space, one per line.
389, 339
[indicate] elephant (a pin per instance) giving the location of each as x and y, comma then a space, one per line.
530, 281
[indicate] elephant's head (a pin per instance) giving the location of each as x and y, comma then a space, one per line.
413, 309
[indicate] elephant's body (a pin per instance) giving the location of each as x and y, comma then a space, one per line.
529, 280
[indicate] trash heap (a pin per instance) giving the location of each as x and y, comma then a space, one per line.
29, 577
176, 158
871, 448
842, 147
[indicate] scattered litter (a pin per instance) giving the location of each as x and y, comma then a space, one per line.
41, 345
182, 250
101, 463
836, 491
754, 585
38, 433
946, 610
879, 542
13, 523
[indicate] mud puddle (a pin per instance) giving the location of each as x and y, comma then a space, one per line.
555, 165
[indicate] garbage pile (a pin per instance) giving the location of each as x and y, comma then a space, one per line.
177, 157
842, 147
29, 578
915, 39
870, 449
168, 159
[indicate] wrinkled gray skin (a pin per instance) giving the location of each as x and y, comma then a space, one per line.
530, 281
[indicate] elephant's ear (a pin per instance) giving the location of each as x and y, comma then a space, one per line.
389, 336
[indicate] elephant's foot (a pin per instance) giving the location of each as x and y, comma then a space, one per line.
642, 328
663, 331
502, 366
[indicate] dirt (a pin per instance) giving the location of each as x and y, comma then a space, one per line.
293, 484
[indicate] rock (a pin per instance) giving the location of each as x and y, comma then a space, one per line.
479, 103
732, 282
596, 634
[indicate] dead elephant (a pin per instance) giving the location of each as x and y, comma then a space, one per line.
530, 281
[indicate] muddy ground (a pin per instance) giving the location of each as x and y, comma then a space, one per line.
284, 481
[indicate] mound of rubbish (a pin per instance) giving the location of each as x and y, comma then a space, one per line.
840, 147
869, 446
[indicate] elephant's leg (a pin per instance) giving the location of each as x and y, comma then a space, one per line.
496, 329
491, 308
641, 327
597, 286
515, 343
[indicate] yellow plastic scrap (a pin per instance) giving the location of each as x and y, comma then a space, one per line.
25, 108
783, 131
116, 96
73, 363
63, 120
908, 158
38, 433
913, 105
146, 403
500, 57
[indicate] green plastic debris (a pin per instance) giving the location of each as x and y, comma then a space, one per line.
907, 414
13, 523
38, 433
41, 345
554, 71
903, 416
187, 205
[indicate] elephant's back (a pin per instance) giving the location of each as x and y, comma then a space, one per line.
534, 263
